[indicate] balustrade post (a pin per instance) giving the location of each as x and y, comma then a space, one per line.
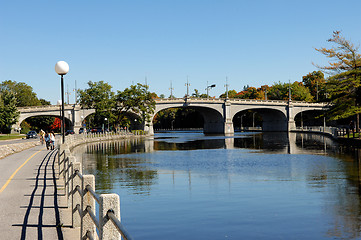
87, 200
107, 229
70, 183
66, 155
61, 158
61, 148
76, 199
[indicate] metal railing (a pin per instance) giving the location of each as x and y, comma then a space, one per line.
334, 132
81, 197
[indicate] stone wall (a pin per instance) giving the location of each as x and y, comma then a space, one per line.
6, 150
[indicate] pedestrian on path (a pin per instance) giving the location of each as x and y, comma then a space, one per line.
52, 140
42, 134
47, 140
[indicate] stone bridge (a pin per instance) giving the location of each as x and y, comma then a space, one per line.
218, 114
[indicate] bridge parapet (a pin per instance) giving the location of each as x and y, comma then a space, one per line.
44, 108
238, 100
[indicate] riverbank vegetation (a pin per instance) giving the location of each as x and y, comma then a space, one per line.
130, 107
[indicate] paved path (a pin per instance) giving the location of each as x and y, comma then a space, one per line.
29, 196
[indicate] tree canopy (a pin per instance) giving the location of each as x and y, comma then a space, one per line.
135, 99
344, 86
316, 83
280, 91
98, 95
23, 93
8, 111
117, 107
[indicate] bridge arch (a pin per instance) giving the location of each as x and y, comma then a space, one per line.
309, 117
272, 119
213, 120
73, 113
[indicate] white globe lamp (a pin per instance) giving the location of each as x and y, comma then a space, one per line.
62, 68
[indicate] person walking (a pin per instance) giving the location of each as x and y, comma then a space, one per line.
52, 140
42, 134
47, 140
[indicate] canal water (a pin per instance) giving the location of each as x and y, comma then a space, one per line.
188, 185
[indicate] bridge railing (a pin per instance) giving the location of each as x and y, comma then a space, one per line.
331, 131
236, 100
81, 196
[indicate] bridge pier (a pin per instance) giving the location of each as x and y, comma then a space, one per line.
228, 123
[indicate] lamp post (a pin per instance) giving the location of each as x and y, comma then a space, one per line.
242, 121
187, 84
82, 123
106, 119
209, 87
253, 119
62, 68
61, 119
226, 87
69, 113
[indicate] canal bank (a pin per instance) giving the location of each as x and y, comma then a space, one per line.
92, 215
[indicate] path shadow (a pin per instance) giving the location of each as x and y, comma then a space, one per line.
49, 159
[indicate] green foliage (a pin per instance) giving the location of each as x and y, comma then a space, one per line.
197, 94
344, 86
344, 90
44, 102
280, 91
231, 94
8, 111
40, 122
25, 127
173, 118
316, 83
23, 93
98, 95
135, 99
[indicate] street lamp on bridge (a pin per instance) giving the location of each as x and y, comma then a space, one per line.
62, 68
209, 87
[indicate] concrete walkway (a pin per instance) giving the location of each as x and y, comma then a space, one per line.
31, 197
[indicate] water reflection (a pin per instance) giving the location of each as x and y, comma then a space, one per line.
311, 181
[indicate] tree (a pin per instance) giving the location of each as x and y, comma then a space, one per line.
251, 93
280, 91
197, 94
23, 93
8, 111
231, 94
344, 85
98, 95
44, 102
135, 99
345, 55
316, 83
40, 122
56, 125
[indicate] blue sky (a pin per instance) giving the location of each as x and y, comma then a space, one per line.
123, 42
